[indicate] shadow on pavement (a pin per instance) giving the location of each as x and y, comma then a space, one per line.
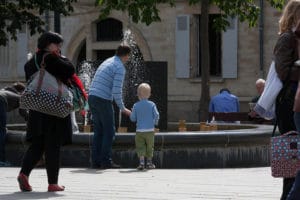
132, 171
87, 171
29, 195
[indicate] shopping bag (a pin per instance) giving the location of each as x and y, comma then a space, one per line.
46, 94
285, 155
265, 107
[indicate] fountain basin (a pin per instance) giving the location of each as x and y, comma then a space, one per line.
245, 145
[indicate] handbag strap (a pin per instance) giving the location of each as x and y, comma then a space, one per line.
274, 128
41, 77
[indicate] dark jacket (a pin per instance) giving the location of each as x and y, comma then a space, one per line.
40, 123
11, 98
285, 54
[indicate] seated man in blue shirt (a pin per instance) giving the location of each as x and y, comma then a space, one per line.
224, 102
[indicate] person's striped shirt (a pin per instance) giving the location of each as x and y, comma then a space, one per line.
108, 81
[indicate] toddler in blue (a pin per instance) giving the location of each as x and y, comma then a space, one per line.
146, 116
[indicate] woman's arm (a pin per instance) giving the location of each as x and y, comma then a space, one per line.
285, 55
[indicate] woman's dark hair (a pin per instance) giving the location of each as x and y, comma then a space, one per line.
123, 50
47, 38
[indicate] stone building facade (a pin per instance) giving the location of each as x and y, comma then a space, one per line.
240, 57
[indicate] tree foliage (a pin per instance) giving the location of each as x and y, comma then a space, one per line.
146, 11
15, 14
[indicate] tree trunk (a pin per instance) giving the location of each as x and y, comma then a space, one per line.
204, 40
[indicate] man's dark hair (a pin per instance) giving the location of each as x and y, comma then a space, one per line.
123, 50
47, 38
225, 89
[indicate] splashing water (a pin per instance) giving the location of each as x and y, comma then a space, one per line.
86, 73
135, 74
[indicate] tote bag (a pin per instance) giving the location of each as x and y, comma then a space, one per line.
285, 155
265, 107
46, 94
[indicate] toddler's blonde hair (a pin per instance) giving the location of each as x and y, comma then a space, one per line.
144, 91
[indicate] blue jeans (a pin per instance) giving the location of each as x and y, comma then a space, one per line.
297, 120
294, 193
2, 129
104, 130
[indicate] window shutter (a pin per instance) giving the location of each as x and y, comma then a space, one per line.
22, 51
4, 60
182, 46
229, 50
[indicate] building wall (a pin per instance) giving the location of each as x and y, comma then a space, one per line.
157, 43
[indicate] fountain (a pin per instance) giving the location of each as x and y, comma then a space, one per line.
224, 145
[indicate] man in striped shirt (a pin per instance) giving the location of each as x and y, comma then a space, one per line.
107, 86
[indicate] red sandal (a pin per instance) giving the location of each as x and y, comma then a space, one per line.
55, 188
23, 183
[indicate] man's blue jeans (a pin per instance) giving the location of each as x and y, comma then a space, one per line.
104, 130
297, 120
2, 129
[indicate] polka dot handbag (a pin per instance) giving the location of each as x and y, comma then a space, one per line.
48, 95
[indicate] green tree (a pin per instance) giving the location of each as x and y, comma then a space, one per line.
15, 14
146, 11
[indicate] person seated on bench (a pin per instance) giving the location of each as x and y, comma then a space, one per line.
260, 85
224, 102
9, 100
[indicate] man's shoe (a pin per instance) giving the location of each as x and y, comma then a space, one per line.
112, 165
23, 183
95, 166
140, 167
55, 188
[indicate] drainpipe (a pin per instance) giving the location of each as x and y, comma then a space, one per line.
47, 20
57, 22
261, 39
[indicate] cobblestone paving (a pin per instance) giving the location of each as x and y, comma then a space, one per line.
157, 184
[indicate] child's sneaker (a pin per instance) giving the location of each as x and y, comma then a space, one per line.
141, 167
150, 166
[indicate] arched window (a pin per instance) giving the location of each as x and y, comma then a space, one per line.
109, 30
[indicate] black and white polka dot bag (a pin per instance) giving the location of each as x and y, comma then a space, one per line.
46, 94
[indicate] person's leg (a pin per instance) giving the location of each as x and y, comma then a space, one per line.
140, 149
52, 156
2, 130
108, 124
33, 155
297, 120
149, 149
287, 185
149, 138
98, 133
294, 193
285, 121
75, 128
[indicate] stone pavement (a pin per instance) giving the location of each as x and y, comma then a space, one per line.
157, 184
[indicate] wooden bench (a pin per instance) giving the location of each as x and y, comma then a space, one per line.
237, 116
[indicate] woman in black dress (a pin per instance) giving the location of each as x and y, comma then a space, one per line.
46, 132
